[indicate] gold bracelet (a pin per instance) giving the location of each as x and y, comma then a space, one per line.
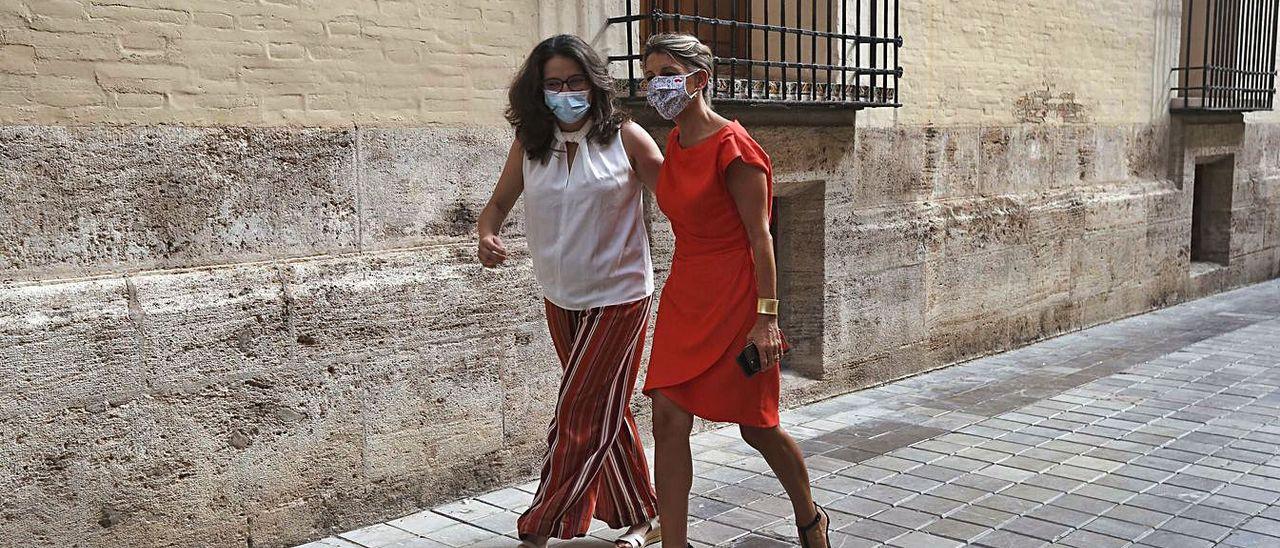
767, 306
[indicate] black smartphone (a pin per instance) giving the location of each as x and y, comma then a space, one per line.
749, 359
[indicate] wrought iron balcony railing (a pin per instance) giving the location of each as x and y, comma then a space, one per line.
815, 52
1228, 56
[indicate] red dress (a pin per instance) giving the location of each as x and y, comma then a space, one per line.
708, 303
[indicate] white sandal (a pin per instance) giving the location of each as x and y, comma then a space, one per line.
634, 538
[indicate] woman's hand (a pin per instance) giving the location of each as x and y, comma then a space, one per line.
768, 339
491, 251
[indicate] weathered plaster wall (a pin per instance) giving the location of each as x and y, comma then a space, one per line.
310, 62
992, 62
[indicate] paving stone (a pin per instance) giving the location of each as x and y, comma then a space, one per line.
1061, 484
917, 539
381, 534
844, 540
915, 454
1265, 526
777, 506
981, 515
1010, 505
1093, 463
1009, 539
875, 530
1249, 539
461, 534
956, 530
1036, 528
1082, 538
1117, 528
714, 533
933, 505
1154, 503
502, 523
468, 510
866, 473
936, 473
859, 506
1062, 516
1006, 473
331, 542
757, 541
1166, 539
1074, 472
1080, 503
1109, 494
911, 483
424, 522
744, 518
1140, 516
726, 474
982, 483
1028, 463
428, 543
1194, 528
1250, 494
884, 493
958, 493
960, 463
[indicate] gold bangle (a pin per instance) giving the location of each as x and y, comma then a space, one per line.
767, 306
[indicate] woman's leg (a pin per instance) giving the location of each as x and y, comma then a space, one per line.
787, 462
590, 414
672, 468
624, 493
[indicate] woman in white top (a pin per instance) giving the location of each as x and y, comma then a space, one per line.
581, 167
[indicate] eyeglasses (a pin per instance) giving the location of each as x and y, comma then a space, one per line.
576, 82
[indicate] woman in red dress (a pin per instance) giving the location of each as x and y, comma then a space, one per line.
716, 187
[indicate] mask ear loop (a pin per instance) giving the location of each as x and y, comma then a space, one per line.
699, 90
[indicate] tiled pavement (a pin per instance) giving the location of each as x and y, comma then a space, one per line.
1160, 430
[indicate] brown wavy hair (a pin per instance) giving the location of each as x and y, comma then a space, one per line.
528, 112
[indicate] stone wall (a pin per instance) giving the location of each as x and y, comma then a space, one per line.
234, 312
261, 334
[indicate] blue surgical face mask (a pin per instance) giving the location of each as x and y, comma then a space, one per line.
568, 106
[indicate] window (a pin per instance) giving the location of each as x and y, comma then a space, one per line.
1228, 55
827, 52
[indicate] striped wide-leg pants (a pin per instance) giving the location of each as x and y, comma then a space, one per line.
595, 465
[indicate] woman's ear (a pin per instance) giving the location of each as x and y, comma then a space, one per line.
700, 79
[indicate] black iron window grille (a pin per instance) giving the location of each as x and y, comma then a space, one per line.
818, 52
1228, 56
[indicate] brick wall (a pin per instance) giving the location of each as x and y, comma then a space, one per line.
240, 62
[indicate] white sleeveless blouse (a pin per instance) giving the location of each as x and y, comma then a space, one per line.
585, 226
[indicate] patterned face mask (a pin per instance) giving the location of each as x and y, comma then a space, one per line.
668, 96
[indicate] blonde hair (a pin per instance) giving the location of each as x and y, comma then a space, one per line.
687, 50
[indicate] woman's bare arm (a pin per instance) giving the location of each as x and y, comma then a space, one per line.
749, 187
491, 251
646, 158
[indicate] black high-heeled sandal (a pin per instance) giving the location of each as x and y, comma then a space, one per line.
826, 531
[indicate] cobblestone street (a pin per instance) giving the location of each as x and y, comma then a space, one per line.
1158, 430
